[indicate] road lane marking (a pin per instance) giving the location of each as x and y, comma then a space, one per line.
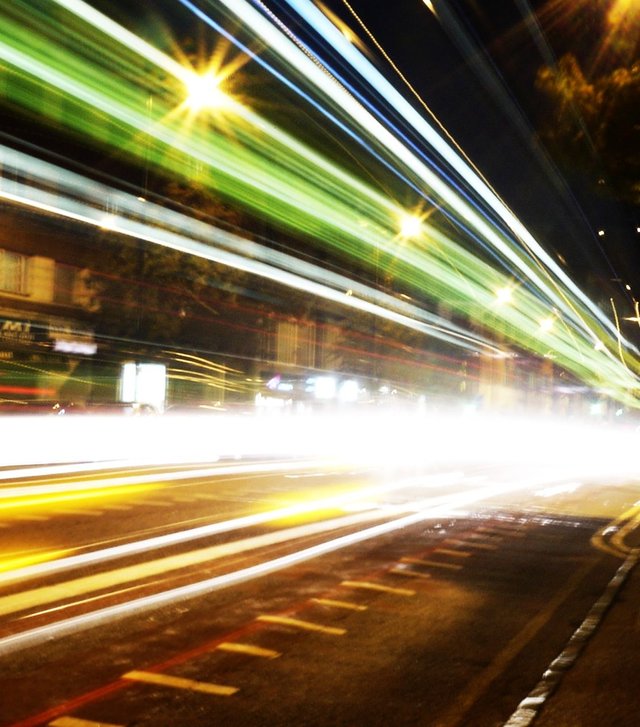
74, 722
339, 604
378, 587
94, 513
478, 685
118, 507
510, 526
618, 529
31, 518
14, 642
454, 553
506, 531
299, 624
431, 563
472, 544
165, 680
409, 573
239, 648
490, 531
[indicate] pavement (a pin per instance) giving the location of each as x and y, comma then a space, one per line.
595, 682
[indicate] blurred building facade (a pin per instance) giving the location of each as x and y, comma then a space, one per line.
46, 309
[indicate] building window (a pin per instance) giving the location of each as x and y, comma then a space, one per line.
65, 277
13, 272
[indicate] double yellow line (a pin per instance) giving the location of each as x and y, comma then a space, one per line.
612, 538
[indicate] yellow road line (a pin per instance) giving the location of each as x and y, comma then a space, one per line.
456, 553
378, 587
94, 513
74, 722
409, 573
305, 625
432, 563
165, 680
339, 604
238, 648
631, 520
490, 531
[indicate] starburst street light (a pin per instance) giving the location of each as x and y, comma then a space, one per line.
546, 324
410, 226
504, 295
203, 92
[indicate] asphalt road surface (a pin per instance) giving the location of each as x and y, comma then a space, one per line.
250, 592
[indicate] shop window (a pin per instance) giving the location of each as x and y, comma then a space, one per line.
13, 272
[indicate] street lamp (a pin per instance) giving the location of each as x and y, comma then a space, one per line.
410, 225
504, 295
204, 93
546, 324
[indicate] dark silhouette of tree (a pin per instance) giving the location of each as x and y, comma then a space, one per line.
594, 125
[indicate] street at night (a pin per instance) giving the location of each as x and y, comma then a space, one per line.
319, 363
283, 591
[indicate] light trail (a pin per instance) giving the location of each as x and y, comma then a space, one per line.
365, 68
145, 220
11, 644
302, 190
247, 521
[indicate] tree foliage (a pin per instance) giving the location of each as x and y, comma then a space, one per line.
594, 124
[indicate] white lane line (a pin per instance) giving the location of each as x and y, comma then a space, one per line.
239, 648
304, 625
165, 680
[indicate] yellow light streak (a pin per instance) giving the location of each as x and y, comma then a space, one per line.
23, 561
89, 496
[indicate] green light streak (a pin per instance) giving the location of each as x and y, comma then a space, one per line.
104, 95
